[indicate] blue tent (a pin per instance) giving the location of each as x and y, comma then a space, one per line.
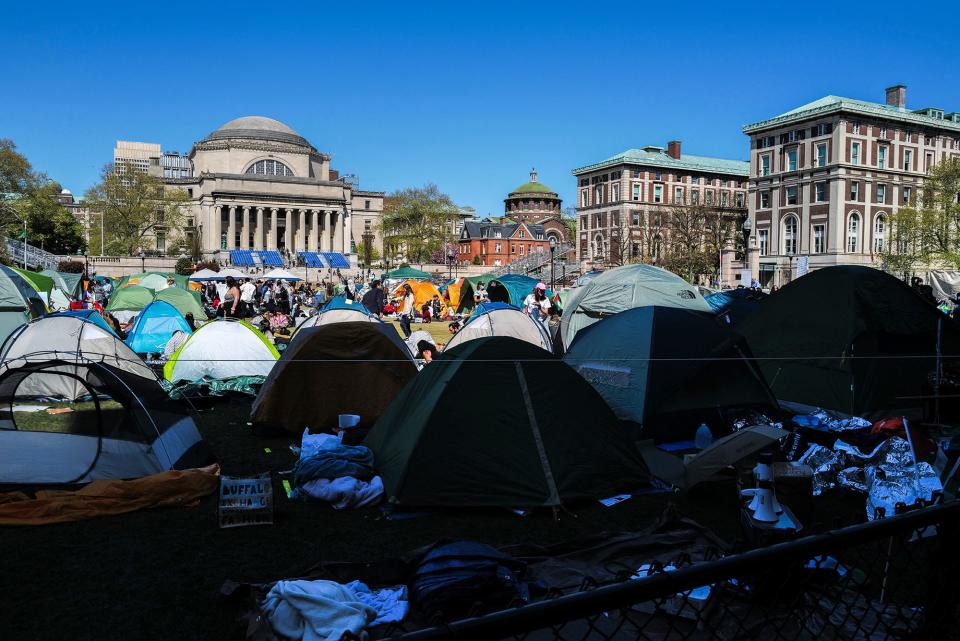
90, 315
154, 326
733, 305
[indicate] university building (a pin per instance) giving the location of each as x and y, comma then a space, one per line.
825, 177
255, 184
624, 203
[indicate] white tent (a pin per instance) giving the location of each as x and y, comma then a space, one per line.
500, 319
222, 349
233, 273
205, 274
70, 339
280, 274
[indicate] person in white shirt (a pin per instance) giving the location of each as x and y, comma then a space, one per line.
407, 311
537, 306
247, 291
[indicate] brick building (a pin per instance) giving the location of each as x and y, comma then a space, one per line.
825, 177
500, 243
624, 202
534, 202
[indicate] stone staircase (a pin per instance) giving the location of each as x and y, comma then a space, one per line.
35, 258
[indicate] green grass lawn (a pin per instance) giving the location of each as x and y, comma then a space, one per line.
81, 420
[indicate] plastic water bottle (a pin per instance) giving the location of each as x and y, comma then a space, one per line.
703, 438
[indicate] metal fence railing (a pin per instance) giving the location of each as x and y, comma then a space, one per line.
893, 578
35, 258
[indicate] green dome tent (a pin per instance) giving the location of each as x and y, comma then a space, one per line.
542, 436
131, 298
19, 301
852, 339
70, 283
186, 302
669, 369
623, 288
220, 350
39, 282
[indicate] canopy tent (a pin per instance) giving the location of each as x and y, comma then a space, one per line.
852, 339
407, 273
91, 315
500, 319
154, 326
204, 275
67, 338
41, 283
542, 438
423, 293
338, 368
19, 302
221, 349
131, 298
623, 288
669, 370
70, 283
231, 272
340, 310
734, 305
148, 433
186, 302
280, 274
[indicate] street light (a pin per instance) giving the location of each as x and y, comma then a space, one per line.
449, 263
553, 249
143, 261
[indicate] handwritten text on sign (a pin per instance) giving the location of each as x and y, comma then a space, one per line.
246, 501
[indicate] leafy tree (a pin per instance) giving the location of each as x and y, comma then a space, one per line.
70, 266
927, 229
416, 221
134, 205
362, 253
439, 255
476, 260
184, 266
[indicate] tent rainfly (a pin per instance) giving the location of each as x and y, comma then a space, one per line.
154, 326
500, 319
280, 274
546, 439
204, 274
423, 293
221, 349
340, 310
407, 273
186, 302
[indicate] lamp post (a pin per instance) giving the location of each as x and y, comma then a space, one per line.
553, 249
143, 261
449, 263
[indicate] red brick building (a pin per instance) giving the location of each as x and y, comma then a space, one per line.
498, 244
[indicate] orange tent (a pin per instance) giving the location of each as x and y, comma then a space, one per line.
423, 292
453, 293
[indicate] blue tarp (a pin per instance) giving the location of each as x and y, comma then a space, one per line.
154, 326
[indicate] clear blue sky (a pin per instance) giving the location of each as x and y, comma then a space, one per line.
469, 96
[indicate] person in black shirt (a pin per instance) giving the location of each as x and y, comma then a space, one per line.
374, 299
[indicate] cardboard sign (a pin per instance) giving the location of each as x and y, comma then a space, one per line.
246, 501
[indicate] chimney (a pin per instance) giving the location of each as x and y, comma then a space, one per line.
897, 96
673, 149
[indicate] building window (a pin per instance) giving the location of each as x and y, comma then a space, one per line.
599, 220
521, 249
881, 193
790, 235
907, 159
854, 190
855, 153
853, 233
883, 132
615, 193
709, 196
522, 234
583, 197
636, 191
678, 195
161, 241
599, 199
856, 127
879, 234
657, 244
819, 237
820, 192
695, 180
792, 195
765, 165
881, 157
513, 248
792, 160
658, 193
658, 176
764, 199
906, 195
694, 197
497, 248
269, 168
739, 200
764, 241
366, 204
822, 155
635, 219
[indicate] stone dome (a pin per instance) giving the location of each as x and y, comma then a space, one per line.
258, 128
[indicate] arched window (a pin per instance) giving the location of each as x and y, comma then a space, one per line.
269, 168
853, 233
598, 247
879, 234
790, 225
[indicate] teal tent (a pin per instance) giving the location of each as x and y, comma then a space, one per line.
154, 326
71, 284
734, 305
541, 437
407, 273
624, 288
19, 301
668, 370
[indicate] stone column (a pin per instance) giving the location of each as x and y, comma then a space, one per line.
232, 228
345, 232
245, 228
302, 231
753, 259
272, 239
258, 234
338, 233
288, 230
213, 228
314, 243
727, 255
324, 245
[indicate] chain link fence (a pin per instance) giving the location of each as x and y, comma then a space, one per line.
893, 578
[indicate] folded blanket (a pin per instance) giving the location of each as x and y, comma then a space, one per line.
345, 460
315, 610
343, 492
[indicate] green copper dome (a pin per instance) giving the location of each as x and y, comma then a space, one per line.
533, 186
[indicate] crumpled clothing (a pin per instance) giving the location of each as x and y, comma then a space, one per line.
334, 463
310, 444
391, 604
343, 492
315, 610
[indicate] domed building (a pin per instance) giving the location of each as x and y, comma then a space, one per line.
257, 184
535, 203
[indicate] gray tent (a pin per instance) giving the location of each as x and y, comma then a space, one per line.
624, 288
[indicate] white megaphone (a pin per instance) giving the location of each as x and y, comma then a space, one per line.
765, 512
763, 473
